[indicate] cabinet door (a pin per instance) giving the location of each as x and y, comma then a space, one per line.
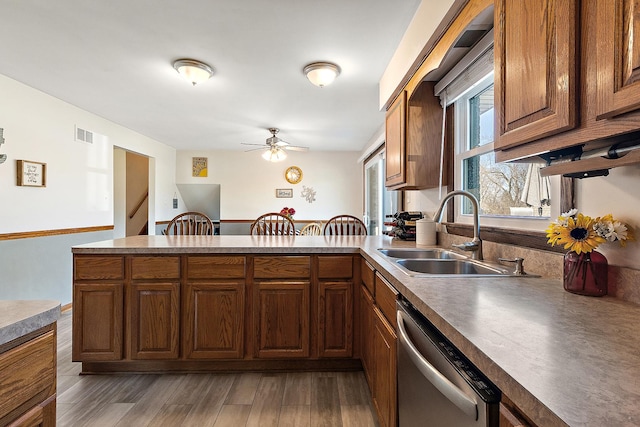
618, 56
214, 320
535, 69
154, 320
98, 311
395, 126
385, 390
509, 418
282, 313
366, 334
335, 319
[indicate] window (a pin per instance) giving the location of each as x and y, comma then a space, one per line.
512, 195
503, 189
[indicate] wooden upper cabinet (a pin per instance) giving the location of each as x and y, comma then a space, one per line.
414, 140
535, 66
395, 125
618, 57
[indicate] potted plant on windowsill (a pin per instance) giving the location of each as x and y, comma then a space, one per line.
585, 269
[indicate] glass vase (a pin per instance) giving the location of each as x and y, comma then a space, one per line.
585, 273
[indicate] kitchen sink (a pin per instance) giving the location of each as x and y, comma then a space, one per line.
448, 267
431, 253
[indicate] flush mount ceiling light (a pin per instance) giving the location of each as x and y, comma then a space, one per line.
321, 73
274, 154
194, 71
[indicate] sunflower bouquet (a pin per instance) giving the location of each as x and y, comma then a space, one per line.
585, 269
583, 234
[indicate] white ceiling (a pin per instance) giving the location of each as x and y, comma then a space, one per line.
114, 58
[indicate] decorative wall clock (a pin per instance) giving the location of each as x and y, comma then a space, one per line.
293, 174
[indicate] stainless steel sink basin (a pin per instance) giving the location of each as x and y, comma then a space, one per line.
431, 253
448, 267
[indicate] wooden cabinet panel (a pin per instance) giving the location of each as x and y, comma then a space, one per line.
366, 331
335, 267
414, 138
28, 378
282, 319
214, 320
395, 126
368, 275
98, 267
535, 63
98, 312
155, 267
385, 388
154, 321
509, 418
386, 296
335, 312
618, 56
216, 267
282, 267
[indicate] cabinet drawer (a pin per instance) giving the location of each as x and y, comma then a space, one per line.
386, 296
98, 267
28, 373
335, 267
155, 267
368, 275
281, 267
218, 267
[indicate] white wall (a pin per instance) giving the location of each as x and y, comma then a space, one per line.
424, 23
248, 182
79, 191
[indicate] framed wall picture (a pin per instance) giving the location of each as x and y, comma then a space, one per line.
199, 165
31, 174
284, 193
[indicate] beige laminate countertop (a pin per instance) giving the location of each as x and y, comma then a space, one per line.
21, 317
564, 359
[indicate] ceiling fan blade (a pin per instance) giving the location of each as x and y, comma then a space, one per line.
257, 145
296, 148
256, 149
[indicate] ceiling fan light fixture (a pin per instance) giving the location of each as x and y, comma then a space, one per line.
274, 154
321, 73
193, 71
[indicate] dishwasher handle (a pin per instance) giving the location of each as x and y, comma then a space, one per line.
439, 381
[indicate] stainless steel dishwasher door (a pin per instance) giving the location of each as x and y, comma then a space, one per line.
435, 380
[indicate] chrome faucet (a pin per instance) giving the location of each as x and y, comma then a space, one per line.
474, 246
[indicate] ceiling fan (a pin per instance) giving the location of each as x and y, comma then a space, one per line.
275, 147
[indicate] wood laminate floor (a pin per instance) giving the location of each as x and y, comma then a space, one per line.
223, 400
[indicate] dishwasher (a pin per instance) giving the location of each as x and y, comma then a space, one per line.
437, 385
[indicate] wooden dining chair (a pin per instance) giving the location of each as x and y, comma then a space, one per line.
345, 225
273, 223
312, 229
190, 223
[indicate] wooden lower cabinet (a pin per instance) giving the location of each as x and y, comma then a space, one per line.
366, 338
385, 389
28, 380
335, 319
282, 315
98, 321
378, 341
154, 320
214, 320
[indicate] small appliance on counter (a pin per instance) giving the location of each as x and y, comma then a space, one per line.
403, 225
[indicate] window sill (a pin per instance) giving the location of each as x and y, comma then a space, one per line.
523, 238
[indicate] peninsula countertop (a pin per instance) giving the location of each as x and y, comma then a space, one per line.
21, 317
563, 359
